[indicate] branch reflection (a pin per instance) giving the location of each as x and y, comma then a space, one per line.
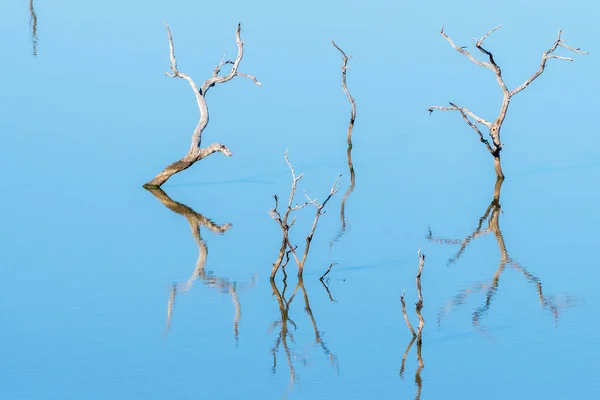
196, 221
492, 217
285, 338
33, 23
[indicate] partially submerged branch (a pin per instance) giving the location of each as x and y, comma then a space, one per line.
494, 127
344, 67
285, 224
196, 152
350, 189
418, 335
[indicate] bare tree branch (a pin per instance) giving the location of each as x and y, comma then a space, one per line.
285, 225
345, 59
419, 303
196, 152
494, 128
547, 54
350, 189
408, 324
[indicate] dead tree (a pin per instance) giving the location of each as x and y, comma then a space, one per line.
196, 152
495, 147
196, 221
492, 217
286, 246
350, 189
418, 335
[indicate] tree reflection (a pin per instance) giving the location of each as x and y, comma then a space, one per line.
285, 339
196, 221
492, 217
33, 23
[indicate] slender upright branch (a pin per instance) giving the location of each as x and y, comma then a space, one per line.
350, 189
419, 303
492, 216
344, 67
196, 152
494, 128
408, 324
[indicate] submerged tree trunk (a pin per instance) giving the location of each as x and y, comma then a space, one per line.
196, 152
498, 167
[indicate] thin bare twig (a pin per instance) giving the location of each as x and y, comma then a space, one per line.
408, 324
196, 152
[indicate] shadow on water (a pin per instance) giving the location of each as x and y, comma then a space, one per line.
285, 338
196, 221
33, 24
492, 217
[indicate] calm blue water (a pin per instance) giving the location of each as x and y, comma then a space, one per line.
101, 292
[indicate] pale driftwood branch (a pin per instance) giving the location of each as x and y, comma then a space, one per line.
408, 324
419, 303
548, 54
494, 128
344, 67
350, 189
196, 152
285, 226
418, 336
461, 49
319, 211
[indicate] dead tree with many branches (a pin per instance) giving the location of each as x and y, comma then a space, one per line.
495, 147
285, 224
196, 152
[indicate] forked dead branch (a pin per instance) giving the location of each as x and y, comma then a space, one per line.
495, 147
196, 152
286, 246
418, 335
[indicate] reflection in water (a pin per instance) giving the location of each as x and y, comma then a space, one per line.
418, 335
285, 338
197, 220
492, 216
344, 67
33, 23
